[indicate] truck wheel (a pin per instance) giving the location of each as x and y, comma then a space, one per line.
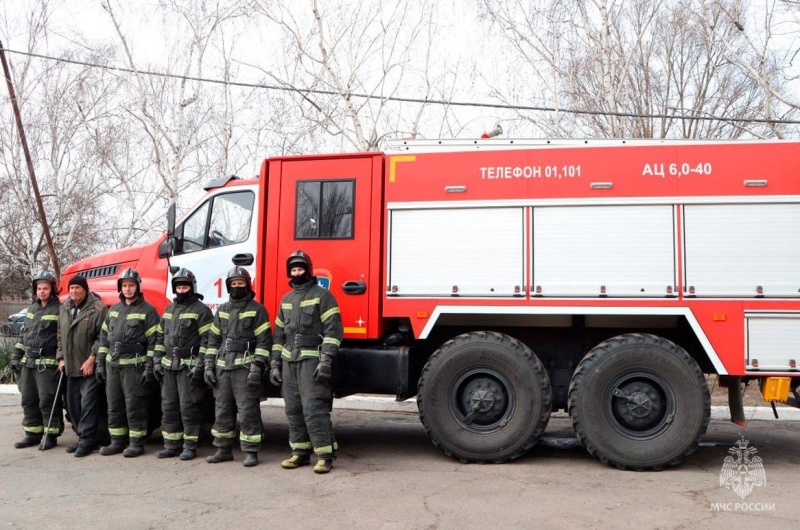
484, 397
639, 402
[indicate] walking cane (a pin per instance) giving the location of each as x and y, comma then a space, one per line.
52, 410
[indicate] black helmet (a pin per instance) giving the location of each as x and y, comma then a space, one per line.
237, 273
130, 274
184, 276
45, 277
299, 259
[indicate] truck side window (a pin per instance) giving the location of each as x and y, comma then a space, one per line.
228, 223
324, 209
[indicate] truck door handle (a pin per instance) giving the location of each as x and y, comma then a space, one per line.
243, 260
354, 287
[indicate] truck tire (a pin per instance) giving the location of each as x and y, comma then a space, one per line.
484, 397
639, 402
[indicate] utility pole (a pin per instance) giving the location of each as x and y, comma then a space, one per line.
42, 217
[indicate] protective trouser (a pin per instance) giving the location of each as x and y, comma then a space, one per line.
308, 409
86, 404
127, 402
37, 388
181, 409
232, 395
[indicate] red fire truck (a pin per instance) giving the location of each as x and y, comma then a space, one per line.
499, 280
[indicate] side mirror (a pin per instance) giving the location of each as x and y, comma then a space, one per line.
171, 220
165, 247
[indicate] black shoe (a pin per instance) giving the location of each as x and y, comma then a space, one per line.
222, 455
49, 442
188, 454
29, 441
251, 460
169, 452
83, 450
133, 451
116, 447
72, 448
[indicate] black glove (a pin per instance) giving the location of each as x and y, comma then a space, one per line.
322, 373
210, 373
275, 373
15, 366
158, 371
147, 375
197, 375
100, 372
254, 377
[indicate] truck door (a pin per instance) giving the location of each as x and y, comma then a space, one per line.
221, 227
325, 210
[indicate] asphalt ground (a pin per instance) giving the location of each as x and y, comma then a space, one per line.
389, 475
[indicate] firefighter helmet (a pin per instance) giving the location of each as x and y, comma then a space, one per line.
298, 259
132, 275
237, 273
45, 277
184, 276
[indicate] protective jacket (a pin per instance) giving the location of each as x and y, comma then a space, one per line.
39, 339
308, 322
239, 335
77, 339
128, 335
182, 334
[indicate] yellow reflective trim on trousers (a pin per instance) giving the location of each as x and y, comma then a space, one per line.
223, 314
54, 430
329, 313
219, 434
247, 314
286, 305
191, 438
331, 340
309, 353
137, 434
326, 449
36, 429
250, 438
300, 445
172, 436
118, 431
261, 329
50, 317
310, 301
205, 328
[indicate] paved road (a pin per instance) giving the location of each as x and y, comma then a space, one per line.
390, 476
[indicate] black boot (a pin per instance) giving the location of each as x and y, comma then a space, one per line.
117, 446
136, 448
251, 460
222, 455
169, 452
188, 454
49, 442
29, 441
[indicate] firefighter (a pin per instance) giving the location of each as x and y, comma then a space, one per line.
33, 359
237, 355
308, 332
180, 348
125, 365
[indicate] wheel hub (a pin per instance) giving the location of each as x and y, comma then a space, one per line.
484, 401
638, 405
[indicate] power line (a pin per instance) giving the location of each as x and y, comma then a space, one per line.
443, 102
